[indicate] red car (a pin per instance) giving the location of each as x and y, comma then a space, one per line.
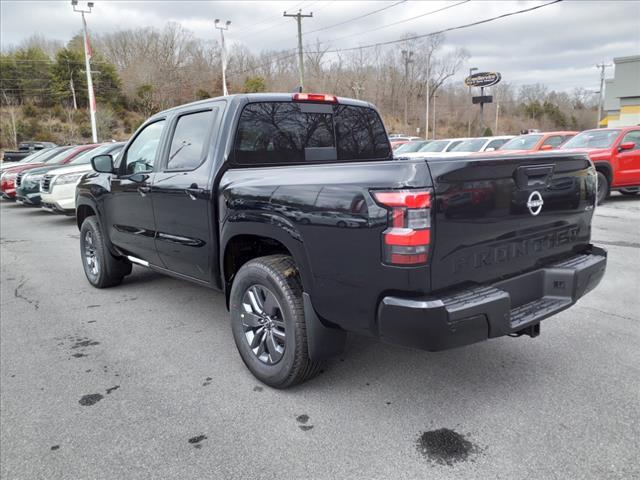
62, 156
534, 142
615, 153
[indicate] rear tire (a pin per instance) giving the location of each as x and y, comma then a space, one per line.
603, 187
100, 266
267, 320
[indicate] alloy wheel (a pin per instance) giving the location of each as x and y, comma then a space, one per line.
263, 324
90, 254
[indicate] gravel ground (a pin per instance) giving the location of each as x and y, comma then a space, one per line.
144, 381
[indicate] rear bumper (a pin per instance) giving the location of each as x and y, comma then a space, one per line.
509, 306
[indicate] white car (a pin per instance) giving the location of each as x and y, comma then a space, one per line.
476, 145
434, 148
58, 188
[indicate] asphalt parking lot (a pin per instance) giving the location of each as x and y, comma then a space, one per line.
144, 381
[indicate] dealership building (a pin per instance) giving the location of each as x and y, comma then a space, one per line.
622, 94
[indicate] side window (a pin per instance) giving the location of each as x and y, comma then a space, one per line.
452, 145
554, 141
496, 144
141, 154
633, 136
188, 142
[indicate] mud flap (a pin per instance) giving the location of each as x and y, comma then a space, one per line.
323, 342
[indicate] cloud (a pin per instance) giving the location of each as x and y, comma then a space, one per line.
557, 45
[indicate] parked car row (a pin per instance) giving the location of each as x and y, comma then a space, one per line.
615, 152
48, 178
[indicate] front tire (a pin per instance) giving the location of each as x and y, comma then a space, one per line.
267, 320
603, 187
100, 266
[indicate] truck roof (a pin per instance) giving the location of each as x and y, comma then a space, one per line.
259, 97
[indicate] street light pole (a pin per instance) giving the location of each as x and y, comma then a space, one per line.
225, 92
471, 70
87, 57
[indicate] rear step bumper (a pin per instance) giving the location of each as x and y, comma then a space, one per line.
510, 306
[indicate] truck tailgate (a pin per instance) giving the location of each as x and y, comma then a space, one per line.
499, 216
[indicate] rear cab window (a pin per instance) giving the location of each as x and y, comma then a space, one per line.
297, 133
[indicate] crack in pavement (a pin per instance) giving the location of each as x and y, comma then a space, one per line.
18, 294
605, 312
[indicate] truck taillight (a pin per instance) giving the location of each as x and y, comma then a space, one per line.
406, 241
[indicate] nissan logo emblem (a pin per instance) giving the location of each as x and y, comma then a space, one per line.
534, 203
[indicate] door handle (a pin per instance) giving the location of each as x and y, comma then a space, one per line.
143, 190
193, 193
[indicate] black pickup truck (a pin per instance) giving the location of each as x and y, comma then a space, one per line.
293, 206
24, 150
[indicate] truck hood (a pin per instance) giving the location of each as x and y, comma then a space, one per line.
42, 169
592, 152
72, 169
20, 168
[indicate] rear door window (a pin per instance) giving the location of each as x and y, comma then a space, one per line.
294, 133
189, 140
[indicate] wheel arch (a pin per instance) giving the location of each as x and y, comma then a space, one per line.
241, 244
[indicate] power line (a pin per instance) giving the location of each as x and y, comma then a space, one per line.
401, 21
390, 42
450, 29
355, 18
279, 21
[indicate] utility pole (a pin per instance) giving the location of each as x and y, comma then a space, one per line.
87, 57
434, 115
471, 70
426, 109
299, 16
406, 57
602, 67
357, 89
223, 54
497, 115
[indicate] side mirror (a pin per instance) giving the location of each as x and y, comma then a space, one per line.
545, 148
626, 146
102, 163
490, 149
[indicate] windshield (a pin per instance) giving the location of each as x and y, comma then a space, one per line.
473, 145
410, 147
34, 157
85, 157
593, 139
58, 158
524, 142
435, 146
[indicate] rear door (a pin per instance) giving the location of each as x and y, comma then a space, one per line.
181, 193
499, 216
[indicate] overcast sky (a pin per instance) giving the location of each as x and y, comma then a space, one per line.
558, 45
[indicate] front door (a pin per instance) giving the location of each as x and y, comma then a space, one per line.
629, 160
130, 211
181, 193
